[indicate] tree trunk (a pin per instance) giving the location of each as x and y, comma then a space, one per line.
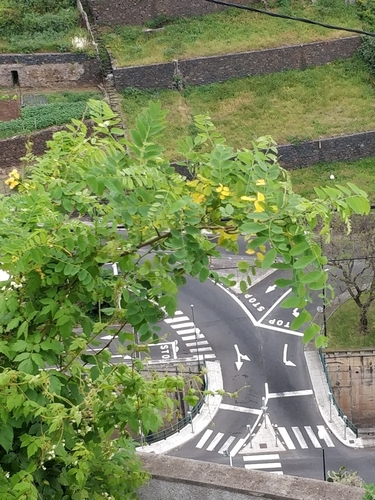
363, 321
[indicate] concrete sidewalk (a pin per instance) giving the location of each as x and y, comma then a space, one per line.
200, 421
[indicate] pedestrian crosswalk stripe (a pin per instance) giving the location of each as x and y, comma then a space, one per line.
188, 330
276, 465
182, 325
191, 337
267, 456
178, 313
288, 442
323, 434
300, 438
201, 349
209, 356
215, 441
204, 438
276, 472
202, 342
312, 436
176, 320
227, 443
237, 447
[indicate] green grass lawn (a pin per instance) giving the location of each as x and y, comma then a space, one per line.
290, 106
361, 173
342, 328
233, 30
28, 26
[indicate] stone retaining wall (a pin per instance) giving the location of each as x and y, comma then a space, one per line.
120, 12
49, 70
174, 478
352, 377
205, 70
344, 148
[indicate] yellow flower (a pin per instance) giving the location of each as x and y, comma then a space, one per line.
259, 198
224, 191
260, 182
14, 173
199, 197
13, 184
250, 252
260, 256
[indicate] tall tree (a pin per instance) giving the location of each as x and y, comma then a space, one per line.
67, 413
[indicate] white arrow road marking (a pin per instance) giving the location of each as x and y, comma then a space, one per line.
287, 363
295, 312
271, 288
240, 356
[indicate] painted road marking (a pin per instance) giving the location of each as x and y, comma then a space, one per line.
215, 441
240, 409
278, 329
312, 436
204, 438
287, 363
188, 330
176, 320
227, 443
276, 465
323, 434
209, 356
237, 447
275, 305
191, 344
300, 438
288, 442
288, 394
201, 349
109, 337
269, 456
182, 325
240, 356
192, 337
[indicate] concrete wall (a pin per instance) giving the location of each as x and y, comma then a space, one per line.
178, 478
139, 11
352, 378
205, 70
50, 70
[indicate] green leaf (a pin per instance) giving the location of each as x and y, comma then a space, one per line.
299, 248
358, 204
269, 258
252, 227
293, 301
176, 206
6, 437
302, 318
243, 286
310, 332
303, 262
312, 276
204, 273
283, 283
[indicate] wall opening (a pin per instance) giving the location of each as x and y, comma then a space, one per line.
15, 78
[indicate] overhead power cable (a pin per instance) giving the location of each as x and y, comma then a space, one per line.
292, 18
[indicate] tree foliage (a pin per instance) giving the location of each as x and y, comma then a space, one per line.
67, 412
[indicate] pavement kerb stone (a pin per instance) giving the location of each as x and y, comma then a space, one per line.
200, 421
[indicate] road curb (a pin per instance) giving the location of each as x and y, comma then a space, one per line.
200, 421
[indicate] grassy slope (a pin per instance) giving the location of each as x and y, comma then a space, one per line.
229, 31
289, 106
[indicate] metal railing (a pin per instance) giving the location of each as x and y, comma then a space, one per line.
178, 426
340, 413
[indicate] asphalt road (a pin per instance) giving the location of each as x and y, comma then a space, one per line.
276, 371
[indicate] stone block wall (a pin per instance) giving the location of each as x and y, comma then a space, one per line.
205, 70
344, 148
66, 70
180, 478
134, 12
352, 376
